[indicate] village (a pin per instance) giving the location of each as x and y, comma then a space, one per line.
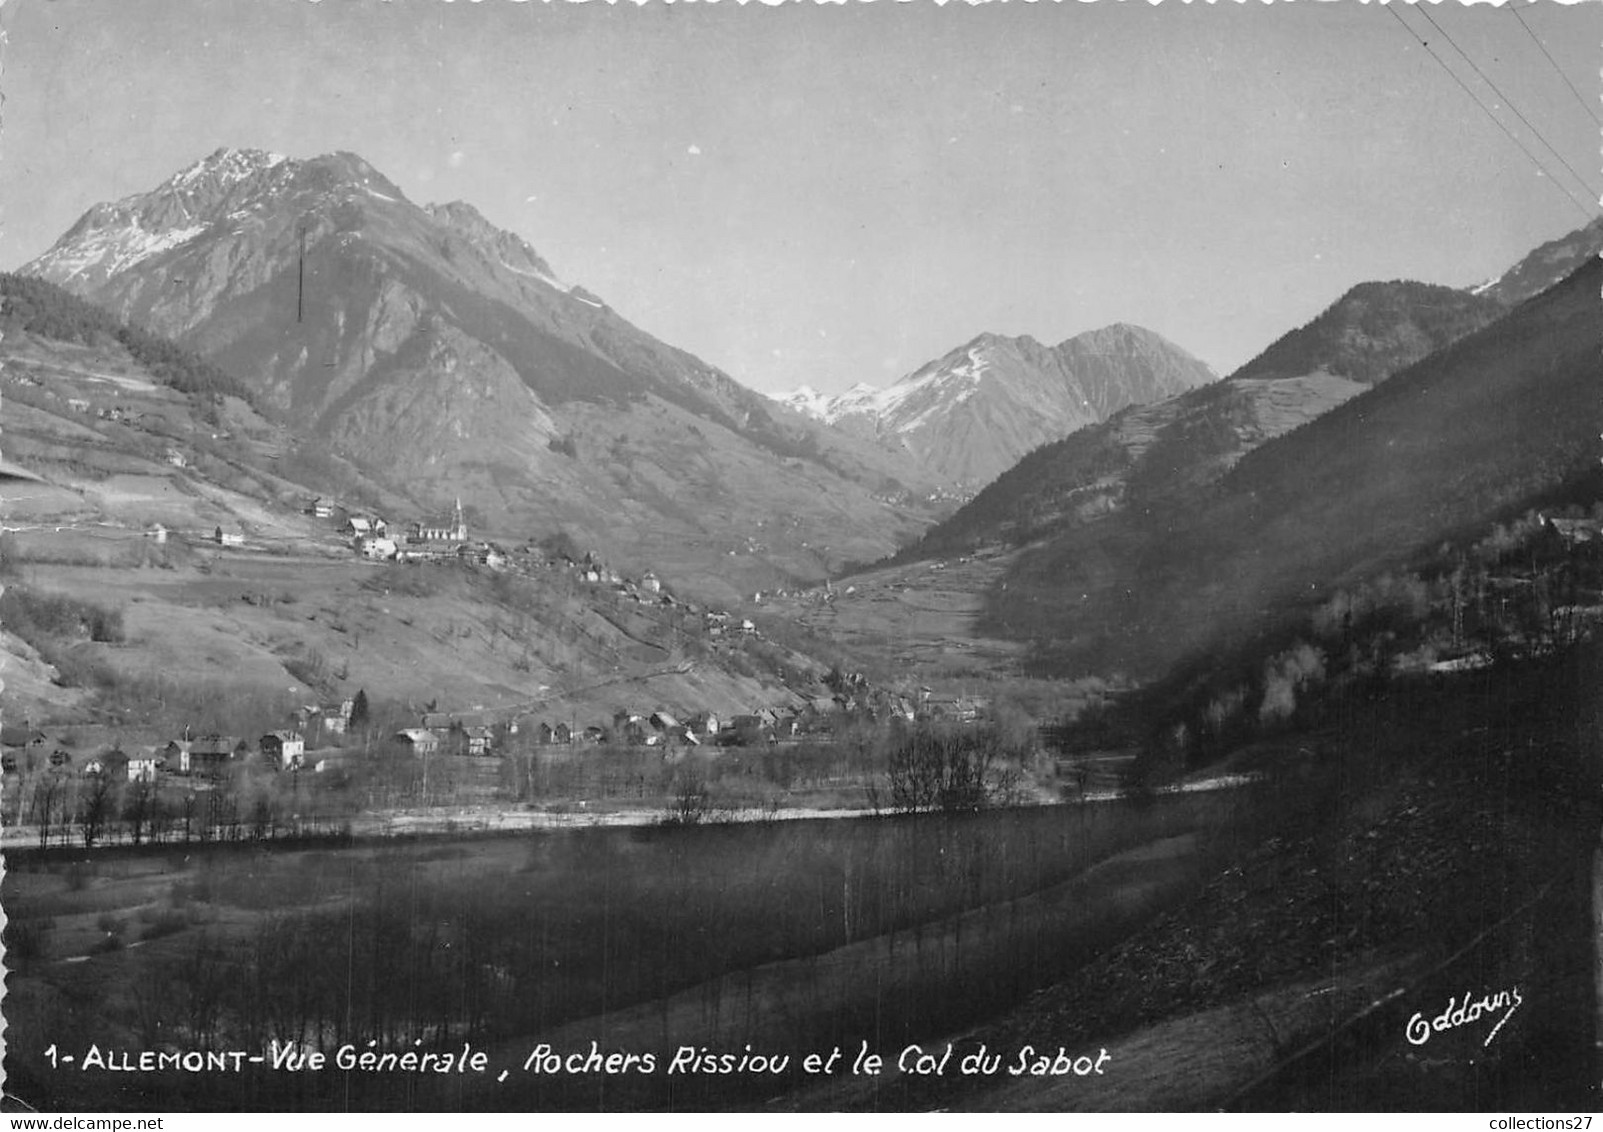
345, 737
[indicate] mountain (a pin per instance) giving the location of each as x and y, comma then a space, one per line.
1374, 330
1158, 454
971, 414
446, 358
1545, 266
140, 460
1503, 419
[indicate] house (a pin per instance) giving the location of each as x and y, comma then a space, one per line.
421, 740
594, 735
376, 547
663, 721
177, 459
78, 404
651, 583
814, 708
544, 735
145, 765
703, 723
209, 754
286, 749
223, 539
176, 755
332, 718
477, 740
483, 554
112, 763
562, 735
321, 508
628, 728
362, 526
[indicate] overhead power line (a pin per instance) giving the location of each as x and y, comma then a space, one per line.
1507, 101
1589, 209
1540, 46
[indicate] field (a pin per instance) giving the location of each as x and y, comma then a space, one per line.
790, 936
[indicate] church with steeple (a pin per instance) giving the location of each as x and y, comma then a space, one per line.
454, 529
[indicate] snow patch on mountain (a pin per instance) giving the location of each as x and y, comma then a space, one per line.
904, 406
543, 276
111, 250
226, 166
806, 399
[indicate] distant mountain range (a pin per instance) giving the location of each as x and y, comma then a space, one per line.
445, 356
1152, 455
970, 415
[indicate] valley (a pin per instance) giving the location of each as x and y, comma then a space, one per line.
404, 652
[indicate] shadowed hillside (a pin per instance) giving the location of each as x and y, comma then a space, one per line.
1487, 425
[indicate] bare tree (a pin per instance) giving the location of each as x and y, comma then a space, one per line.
49, 799
95, 807
136, 809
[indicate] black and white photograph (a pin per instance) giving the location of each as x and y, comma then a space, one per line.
801, 557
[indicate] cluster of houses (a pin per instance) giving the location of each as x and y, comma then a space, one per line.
118, 413
206, 756
121, 414
424, 540
301, 745
446, 539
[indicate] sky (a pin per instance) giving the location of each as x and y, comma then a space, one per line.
832, 194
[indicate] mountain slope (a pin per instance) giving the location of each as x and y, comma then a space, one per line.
1374, 330
1159, 453
447, 356
143, 463
1545, 266
1497, 421
972, 413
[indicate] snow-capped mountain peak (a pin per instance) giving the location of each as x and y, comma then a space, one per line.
973, 412
225, 165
